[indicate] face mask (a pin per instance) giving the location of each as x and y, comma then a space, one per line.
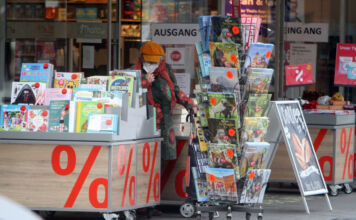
150, 67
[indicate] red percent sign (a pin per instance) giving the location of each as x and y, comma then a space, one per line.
71, 163
345, 146
146, 157
121, 170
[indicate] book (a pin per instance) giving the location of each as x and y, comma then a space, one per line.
224, 55
98, 80
205, 30
254, 129
128, 72
201, 186
14, 117
38, 118
255, 155
200, 159
222, 105
84, 108
227, 30
67, 79
221, 185
72, 116
28, 93
81, 94
255, 186
259, 80
103, 123
98, 87
109, 98
205, 63
224, 79
37, 72
57, 94
223, 156
59, 116
257, 105
122, 83
223, 131
258, 56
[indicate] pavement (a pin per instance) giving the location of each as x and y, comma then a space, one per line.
278, 204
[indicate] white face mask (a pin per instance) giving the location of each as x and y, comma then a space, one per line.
150, 67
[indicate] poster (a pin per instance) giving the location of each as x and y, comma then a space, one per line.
345, 65
176, 57
183, 81
300, 148
298, 75
88, 57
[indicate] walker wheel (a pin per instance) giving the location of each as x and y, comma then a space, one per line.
187, 210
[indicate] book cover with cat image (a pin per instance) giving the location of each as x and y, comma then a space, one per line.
224, 55
14, 117
254, 129
28, 93
223, 156
255, 186
259, 80
223, 131
226, 30
223, 106
257, 105
221, 185
84, 108
258, 56
255, 155
224, 79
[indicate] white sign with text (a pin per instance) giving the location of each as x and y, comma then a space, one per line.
175, 33
306, 32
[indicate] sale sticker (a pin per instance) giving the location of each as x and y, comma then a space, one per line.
297, 75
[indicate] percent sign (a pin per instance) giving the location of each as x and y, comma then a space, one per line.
146, 165
348, 157
121, 170
71, 163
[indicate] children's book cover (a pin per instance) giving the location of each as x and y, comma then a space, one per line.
255, 186
37, 72
258, 56
254, 129
259, 80
102, 123
226, 30
84, 108
205, 62
224, 79
98, 87
83, 94
28, 93
203, 110
67, 79
122, 83
222, 131
59, 116
224, 55
110, 98
201, 186
38, 119
14, 117
222, 106
257, 105
255, 155
98, 80
221, 185
205, 29
223, 156
57, 94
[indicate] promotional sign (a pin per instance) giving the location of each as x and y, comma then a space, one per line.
175, 33
306, 32
176, 57
183, 81
297, 75
300, 148
345, 65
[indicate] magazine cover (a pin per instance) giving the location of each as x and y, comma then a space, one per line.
57, 94
224, 79
38, 119
222, 131
59, 116
223, 156
226, 30
224, 55
37, 72
222, 106
255, 186
258, 56
255, 155
84, 108
257, 105
201, 186
102, 123
122, 83
28, 93
254, 129
14, 117
221, 185
259, 80
67, 79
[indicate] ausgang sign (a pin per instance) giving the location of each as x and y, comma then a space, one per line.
175, 33
306, 32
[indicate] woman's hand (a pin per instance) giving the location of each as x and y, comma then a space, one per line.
150, 77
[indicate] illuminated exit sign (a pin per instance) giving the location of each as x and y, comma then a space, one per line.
306, 32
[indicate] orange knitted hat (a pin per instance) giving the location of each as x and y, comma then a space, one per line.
152, 52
